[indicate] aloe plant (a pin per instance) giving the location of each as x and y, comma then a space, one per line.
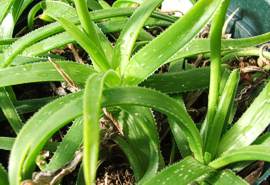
121, 80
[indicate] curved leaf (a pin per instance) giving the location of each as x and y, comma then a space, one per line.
248, 153
91, 131
3, 175
9, 110
251, 124
66, 109
6, 143
66, 149
139, 129
168, 106
207, 129
184, 172
43, 72
225, 177
158, 51
201, 46
42, 127
125, 43
177, 82
222, 112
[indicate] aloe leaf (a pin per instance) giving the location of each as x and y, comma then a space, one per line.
91, 114
133, 159
3, 175
264, 139
222, 112
140, 129
125, 43
225, 177
200, 46
6, 143
61, 39
27, 40
158, 51
177, 82
250, 125
184, 172
66, 149
28, 106
42, 72
9, 111
215, 76
96, 54
173, 109
32, 14
248, 153
42, 127
4, 8
66, 109
31, 105
179, 135
99, 40
179, 138
86, 21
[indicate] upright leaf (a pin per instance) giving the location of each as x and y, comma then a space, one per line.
125, 43
91, 114
3, 175
67, 148
140, 130
250, 125
215, 73
9, 111
158, 51
222, 112
88, 43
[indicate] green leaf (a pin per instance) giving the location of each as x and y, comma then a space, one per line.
96, 54
140, 130
125, 43
61, 39
41, 33
91, 114
250, 125
248, 153
99, 40
6, 143
43, 72
162, 103
223, 110
225, 177
201, 46
184, 172
66, 109
42, 126
86, 21
3, 175
4, 8
177, 82
215, 78
158, 51
179, 138
67, 148
32, 14
9, 110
